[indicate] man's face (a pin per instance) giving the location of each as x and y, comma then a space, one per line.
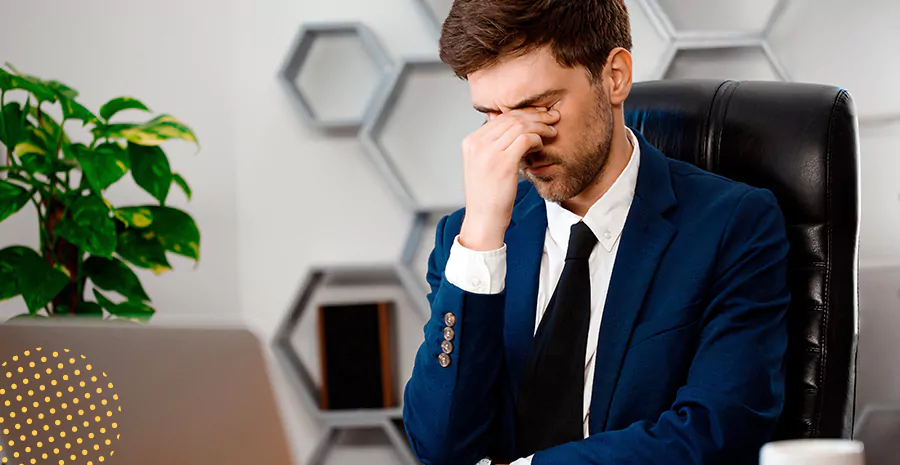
571, 161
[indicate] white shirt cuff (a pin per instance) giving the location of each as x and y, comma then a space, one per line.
525, 461
476, 272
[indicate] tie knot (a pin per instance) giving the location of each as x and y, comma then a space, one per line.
581, 241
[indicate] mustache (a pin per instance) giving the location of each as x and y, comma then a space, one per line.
540, 159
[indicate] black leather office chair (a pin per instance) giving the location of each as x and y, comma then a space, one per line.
800, 142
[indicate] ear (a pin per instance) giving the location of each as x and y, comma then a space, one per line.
619, 67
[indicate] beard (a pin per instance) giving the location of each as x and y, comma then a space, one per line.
577, 170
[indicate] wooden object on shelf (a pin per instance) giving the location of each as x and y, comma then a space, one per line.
356, 350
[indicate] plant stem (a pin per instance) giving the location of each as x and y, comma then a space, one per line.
3, 124
45, 236
53, 178
59, 143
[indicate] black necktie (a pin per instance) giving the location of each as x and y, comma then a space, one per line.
549, 410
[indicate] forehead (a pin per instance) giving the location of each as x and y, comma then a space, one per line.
520, 77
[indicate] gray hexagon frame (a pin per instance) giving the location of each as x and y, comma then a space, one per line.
420, 231
706, 40
338, 275
329, 437
300, 50
372, 129
300, 376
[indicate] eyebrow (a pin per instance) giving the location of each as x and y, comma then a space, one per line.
528, 102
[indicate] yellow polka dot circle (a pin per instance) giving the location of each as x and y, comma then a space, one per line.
56, 408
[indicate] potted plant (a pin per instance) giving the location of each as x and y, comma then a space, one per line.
88, 246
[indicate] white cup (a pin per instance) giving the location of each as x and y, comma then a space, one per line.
813, 452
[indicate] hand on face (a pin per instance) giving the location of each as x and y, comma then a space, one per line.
491, 160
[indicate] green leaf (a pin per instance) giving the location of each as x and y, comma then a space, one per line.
89, 226
12, 199
30, 84
135, 217
143, 249
116, 105
89, 309
5, 80
74, 110
104, 165
128, 309
25, 148
103, 301
152, 133
8, 286
136, 311
176, 231
34, 163
115, 275
182, 184
61, 89
37, 281
36, 140
12, 131
26, 316
150, 170
49, 126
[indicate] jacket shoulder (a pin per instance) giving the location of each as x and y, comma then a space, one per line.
711, 195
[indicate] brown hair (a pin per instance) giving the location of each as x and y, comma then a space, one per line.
479, 33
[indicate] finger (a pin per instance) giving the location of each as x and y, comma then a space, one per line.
542, 130
525, 144
497, 127
501, 124
531, 114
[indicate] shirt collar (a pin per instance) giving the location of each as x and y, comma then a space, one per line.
606, 218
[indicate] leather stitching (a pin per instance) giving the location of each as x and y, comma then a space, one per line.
823, 363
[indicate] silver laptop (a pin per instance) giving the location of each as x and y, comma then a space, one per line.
126, 394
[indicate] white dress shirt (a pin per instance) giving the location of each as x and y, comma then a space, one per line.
485, 272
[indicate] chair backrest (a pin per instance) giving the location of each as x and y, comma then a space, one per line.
800, 141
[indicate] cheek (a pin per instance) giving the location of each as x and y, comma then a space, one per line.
569, 131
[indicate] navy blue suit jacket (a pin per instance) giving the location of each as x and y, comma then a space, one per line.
692, 340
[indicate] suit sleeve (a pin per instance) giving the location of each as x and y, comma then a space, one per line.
734, 391
448, 412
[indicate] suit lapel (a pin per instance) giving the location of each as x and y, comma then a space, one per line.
645, 238
525, 246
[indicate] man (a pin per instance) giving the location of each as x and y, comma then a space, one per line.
617, 307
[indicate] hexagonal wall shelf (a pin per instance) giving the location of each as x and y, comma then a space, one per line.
739, 63
717, 17
416, 136
333, 73
296, 342
331, 438
419, 244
